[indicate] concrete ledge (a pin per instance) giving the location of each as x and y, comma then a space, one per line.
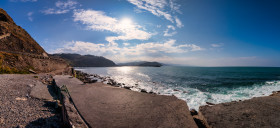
70, 115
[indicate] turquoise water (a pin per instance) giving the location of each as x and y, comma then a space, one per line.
197, 85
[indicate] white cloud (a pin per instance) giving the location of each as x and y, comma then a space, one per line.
167, 31
54, 11
66, 5
160, 8
61, 7
217, 45
179, 24
192, 46
174, 6
156, 47
99, 21
82, 48
29, 14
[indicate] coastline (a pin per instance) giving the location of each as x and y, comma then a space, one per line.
91, 78
103, 105
245, 113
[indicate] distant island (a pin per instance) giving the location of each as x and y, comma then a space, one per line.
142, 63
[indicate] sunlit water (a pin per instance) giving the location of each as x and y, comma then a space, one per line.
197, 85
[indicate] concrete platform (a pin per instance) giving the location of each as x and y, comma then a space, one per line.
104, 106
41, 91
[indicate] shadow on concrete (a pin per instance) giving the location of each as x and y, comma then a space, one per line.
53, 92
54, 121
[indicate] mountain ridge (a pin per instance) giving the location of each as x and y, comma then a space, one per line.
142, 63
77, 60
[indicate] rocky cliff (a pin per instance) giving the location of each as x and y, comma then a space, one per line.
16, 39
20, 53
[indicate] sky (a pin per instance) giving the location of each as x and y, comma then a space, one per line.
183, 32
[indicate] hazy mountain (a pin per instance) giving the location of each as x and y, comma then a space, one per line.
78, 60
141, 63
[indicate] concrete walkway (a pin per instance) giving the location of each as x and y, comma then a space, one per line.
41, 91
104, 106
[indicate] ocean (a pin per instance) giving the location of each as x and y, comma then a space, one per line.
197, 85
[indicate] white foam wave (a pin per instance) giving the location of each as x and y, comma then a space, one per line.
196, 98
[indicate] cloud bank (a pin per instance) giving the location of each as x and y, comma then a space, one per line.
61, 7
99, 21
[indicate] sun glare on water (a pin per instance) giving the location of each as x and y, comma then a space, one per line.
125, 70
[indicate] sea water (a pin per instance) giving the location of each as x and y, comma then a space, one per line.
197, 85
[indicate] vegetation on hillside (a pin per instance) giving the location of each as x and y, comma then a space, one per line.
7, 68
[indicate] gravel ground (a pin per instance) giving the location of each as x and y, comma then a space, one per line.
18, 109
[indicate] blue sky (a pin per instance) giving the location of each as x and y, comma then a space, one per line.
186, 32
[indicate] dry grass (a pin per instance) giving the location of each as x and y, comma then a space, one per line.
8, 68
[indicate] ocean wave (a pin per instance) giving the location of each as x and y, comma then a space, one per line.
196, 92
196, 98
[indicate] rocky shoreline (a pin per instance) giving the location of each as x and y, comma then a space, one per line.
245, 113
92, 78
20, 109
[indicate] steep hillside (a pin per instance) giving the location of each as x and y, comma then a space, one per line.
16, 39
19, 63
20, 53
77, 60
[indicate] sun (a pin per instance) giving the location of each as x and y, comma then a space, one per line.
126, 21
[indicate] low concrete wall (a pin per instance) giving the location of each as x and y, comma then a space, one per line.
70, 116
